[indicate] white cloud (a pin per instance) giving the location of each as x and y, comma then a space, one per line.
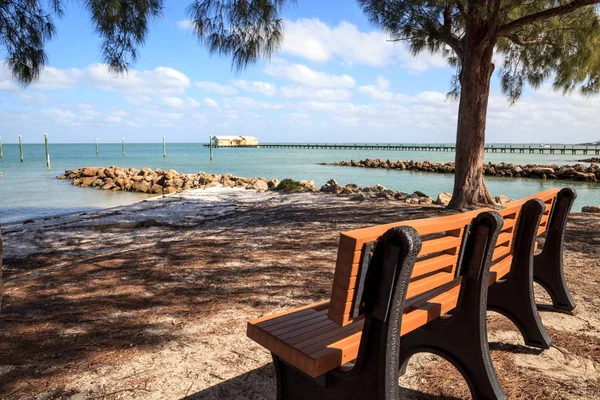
53, 78
303, 75
303, 92
177, 102
140, 100
210, 103
316, 41
161, 80
265, 88
379, 91
185, 24
50, 78
217, 88
60, 115
249, 104
31, 98
6, 80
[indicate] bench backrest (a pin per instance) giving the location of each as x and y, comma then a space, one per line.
437, 264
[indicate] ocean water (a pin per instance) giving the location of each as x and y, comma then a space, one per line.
30, 190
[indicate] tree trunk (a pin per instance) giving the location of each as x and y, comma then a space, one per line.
469, 186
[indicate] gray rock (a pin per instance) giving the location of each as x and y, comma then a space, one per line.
591, 209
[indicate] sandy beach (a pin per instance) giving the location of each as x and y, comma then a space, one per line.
150, 300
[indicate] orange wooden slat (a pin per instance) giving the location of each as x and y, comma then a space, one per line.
322, 316
268, 320
500, 269
291, 321
422, 285
445, 243
423, 267
338, 354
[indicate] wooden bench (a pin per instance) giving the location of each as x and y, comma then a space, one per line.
397, 280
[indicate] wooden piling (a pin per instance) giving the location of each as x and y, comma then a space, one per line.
96, 146
164, 147
47, 151
21, 147
211, 146
123, 146
1, 153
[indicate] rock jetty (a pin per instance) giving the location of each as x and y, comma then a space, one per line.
158, 181
577, 172
591, 160
591, 209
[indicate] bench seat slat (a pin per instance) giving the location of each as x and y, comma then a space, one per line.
290, 321
318, 317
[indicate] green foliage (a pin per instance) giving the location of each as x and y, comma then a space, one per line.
538, 40
123, 26
245, 30
24, 29
565, 49
290, 186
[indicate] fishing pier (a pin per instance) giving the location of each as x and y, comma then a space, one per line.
524, 149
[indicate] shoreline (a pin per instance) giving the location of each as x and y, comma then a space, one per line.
169, 182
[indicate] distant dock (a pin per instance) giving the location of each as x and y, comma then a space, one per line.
526, 149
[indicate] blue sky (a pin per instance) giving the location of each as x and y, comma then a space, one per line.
335, 79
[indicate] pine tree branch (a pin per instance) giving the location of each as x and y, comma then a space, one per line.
522, 42
463, 10
543, 15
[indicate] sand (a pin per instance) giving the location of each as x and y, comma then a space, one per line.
150, 301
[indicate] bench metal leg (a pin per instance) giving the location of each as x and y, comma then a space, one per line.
513, 297
548, 265
462, 337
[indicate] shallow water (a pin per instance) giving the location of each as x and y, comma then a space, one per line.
30, 190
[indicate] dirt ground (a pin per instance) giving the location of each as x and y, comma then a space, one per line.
150, 301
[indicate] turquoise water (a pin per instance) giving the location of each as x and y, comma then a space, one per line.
30, 190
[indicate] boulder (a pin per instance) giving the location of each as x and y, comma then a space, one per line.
259, 185
332, 187
169, 190
142, 186
309, 186
443, 199
273, 183
586, 176
412, 199
359, 197
88, 171
591, 209
87, 181
400, 196
501, 199
157, 189
542, 171
425, 200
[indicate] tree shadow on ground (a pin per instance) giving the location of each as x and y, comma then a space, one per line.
259, 384
70, 309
